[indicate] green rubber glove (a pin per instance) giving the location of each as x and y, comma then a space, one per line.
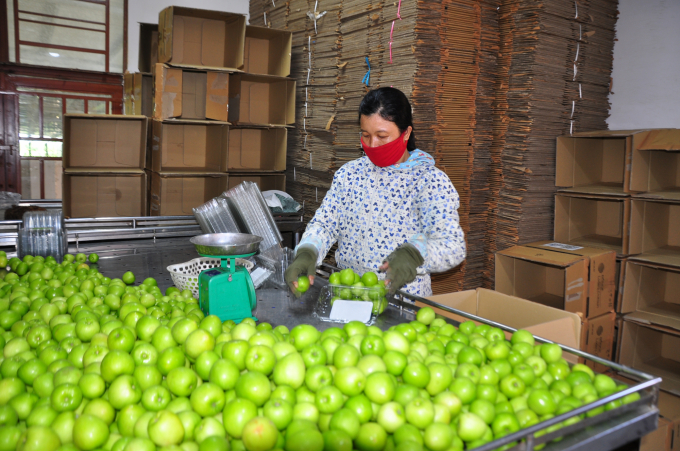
402, 265
304, 264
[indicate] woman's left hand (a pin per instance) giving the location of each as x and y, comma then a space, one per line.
401, 267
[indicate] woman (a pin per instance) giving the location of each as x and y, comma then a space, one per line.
391, 211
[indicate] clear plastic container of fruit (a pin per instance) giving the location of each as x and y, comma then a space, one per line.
375, 295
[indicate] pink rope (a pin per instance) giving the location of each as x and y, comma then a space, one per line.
399, 10
391, 33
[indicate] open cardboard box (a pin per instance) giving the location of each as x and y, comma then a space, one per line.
602, 274
182, 146
655, 232
558, 279
179, 193
593, 221
104, 194
257, 149
261, 100
268, 51
192, 94
148, 47
549, 323
104, 142
667, 436
653, 292
200, 37
656, 165
138, 94
594, 162
265, 182
651, 348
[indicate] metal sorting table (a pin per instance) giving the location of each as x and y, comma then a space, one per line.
134, 227
610, 430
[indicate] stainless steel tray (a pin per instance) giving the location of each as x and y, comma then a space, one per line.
223, 244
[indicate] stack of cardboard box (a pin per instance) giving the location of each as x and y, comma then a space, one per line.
104, 160
649, 307
598, 174
620, 190
221, 103
262, 107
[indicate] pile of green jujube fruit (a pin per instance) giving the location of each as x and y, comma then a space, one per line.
93, 363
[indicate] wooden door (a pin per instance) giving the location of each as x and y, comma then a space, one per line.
10, 176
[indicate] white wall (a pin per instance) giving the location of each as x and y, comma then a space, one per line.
646, 71
146, 11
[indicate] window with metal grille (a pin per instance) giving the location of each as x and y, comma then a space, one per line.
71, 34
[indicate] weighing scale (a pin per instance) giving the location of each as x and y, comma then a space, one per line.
227, 291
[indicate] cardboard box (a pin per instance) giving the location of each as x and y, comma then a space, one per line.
659, 439
549, 323
653, 292
148, 173
656, 165
148, 47
598, 339
200, 37
652, 349
655, 232
594, 162
617, 335
257, 149
190, 94
268, 51
593, 221
104, 194
620, 280
104, 142
265, 182
178, 193
601, 266
669, 409
189, 146
138, 94
558, 278
149, 144
261, 100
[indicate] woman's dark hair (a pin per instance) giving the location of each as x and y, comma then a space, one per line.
392, 105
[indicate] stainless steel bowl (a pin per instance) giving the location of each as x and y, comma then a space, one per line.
226, 244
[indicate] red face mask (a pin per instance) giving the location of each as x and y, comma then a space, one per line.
387, 154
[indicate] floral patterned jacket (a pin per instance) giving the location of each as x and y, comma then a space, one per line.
370, 211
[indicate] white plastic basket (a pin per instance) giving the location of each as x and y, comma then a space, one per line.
185, 275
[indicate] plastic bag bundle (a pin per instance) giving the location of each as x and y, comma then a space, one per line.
43, 233
214, 216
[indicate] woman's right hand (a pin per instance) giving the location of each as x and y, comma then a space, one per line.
304, 263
